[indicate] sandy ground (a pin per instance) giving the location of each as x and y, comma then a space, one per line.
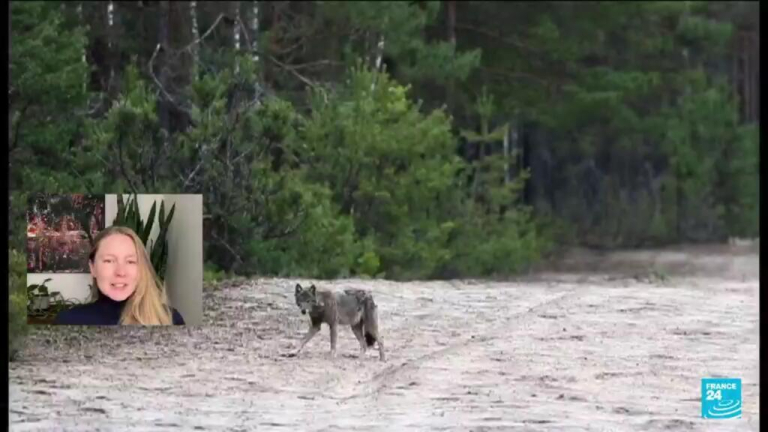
606, 342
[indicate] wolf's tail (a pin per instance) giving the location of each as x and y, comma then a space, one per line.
370, 321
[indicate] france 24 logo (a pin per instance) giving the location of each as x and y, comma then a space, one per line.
720, 398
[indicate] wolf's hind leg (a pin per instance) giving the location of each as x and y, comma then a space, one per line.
357, 329
381, 348
334, 334
371, 326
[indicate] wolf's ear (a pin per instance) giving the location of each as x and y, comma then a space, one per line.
298, 288
313, 289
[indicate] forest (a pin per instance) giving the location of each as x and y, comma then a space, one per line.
400, 140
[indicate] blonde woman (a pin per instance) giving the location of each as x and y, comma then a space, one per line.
128, 290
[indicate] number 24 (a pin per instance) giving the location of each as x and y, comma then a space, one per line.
711, 395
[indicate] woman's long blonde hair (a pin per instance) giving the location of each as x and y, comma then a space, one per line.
148, 305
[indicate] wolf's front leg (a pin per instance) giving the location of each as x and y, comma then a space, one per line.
334, 332
310, 334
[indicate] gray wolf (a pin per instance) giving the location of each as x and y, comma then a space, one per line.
353, 307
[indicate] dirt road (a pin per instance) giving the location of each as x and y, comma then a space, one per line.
617, 342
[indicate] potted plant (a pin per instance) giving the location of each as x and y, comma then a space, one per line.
38, 296
128, 215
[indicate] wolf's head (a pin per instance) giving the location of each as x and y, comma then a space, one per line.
306, 298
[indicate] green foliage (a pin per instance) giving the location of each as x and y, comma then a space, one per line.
401, 25
159, 254
389, 167
365, 185
394, 171
129, 215
644, 141
39, 290
47, 104
714, 163
368, 264
494, 235
129, 141
620, 108
500, 247
704, 31
46, 63
266, 217
212, 274
742, 214
17, 302
322, 244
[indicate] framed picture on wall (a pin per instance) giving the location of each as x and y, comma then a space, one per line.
59, 231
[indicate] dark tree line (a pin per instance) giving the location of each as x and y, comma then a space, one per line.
410, 139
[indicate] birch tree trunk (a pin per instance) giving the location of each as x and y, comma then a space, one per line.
506, 154
451, 6
754, 76
110, 35
255, 30
744, 52
10, 202
85, 47
110, 21
162, 66
254, 27
379, 55
195, 31
9, 72
451, 21
236, 28
379, 52
236, 31
756, 50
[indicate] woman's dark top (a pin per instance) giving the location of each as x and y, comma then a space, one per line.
104, 311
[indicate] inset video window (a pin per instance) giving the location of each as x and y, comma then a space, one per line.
114, 259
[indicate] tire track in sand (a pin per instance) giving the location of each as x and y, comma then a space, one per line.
389, 376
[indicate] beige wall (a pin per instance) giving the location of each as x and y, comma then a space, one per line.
71, 285
184, 274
